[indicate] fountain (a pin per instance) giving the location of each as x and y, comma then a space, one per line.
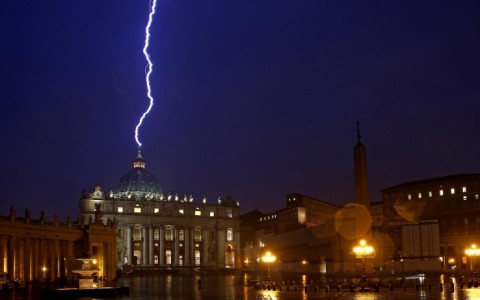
89, 267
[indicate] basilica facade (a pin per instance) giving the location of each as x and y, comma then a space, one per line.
157, 230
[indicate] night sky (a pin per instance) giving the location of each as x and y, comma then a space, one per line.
255, 99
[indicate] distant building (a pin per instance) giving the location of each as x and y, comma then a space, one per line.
451, 202
157, 230
423, 225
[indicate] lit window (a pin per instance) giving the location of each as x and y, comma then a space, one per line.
197, 234
169, 234
476, 196
229, 234
137, 210
464, 197
452, 191
229, 213
430, 194
180, 211
198, 212
181, 235
212, 214
419, 195
156, 210
409, 197
441, 192
464, 189
120, 209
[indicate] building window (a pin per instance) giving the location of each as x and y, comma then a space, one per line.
120, 209
212, 214
181, 235
156, 234
181, 211
477, 219
168, 257
197, 257
198, 212
409, 197
198, 234
464, 197
419, 195
137, 233
156, 210
465, 221
229, 234
441, 192
430, 194
452, 191
137, 210
229, 213
169, 234
464, 189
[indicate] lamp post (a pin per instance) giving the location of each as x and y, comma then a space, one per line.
268, 258
363, 250
472, 252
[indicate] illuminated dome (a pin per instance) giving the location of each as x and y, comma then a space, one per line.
138, 184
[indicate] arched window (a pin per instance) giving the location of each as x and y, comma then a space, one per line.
198, 234
169, 233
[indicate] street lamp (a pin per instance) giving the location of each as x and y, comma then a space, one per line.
268, 258
472, 252
363, 250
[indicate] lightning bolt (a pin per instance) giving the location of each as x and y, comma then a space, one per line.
148, 68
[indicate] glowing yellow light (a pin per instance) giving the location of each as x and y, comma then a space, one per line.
473, 251
363, 249
268, 257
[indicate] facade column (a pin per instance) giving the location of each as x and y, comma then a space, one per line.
144, 245
19, 254
3, 253
11, 257
175, 256
27, 276
128, 239
150, 245
162, 247
52, 260
186, 259
221, 247
204, 259
42, 259
34, 265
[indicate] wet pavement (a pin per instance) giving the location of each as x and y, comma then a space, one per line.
230, 286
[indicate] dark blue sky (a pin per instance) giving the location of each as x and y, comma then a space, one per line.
255, 99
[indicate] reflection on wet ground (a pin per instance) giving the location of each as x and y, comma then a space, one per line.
240, 286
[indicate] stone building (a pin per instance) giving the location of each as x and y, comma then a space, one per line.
157, 230
38, 249
433, 219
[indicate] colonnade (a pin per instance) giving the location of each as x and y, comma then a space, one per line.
34, 258
183, 247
